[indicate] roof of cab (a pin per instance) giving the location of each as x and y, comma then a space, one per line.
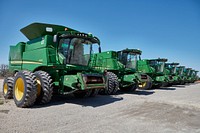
36, 30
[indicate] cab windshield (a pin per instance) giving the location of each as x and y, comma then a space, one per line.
188, 72
158, 65
76, 51
181, 71
173, 70
129, 60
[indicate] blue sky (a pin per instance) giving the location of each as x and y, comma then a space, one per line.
160, 28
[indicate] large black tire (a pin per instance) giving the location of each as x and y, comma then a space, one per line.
44, 87
24, 89
112, 84
8, 88
145, 85
83, 93
129, 89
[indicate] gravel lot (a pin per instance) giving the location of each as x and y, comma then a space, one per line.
168, 110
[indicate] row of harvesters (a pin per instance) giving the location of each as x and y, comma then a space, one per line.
61, 60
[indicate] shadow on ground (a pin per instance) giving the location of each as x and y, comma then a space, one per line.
179, 86
99, 100
165, 88
143, 92
137, 92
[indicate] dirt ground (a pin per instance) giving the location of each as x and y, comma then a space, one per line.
169, 110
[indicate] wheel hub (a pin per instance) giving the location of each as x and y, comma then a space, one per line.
19, 89
5, 88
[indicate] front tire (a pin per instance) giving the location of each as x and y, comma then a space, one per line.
44, 87
24, 89
112, 84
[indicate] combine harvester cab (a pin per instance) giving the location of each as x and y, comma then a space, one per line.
52, 60
155, 69
171, 74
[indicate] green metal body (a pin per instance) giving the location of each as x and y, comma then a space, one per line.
155, 69
45, 52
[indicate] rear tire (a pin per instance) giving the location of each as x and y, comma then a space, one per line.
24, 89
44, 87
8, 88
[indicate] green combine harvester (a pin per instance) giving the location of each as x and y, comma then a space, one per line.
119, 72
180, 74
187, 75
193, 76
53, 60
171, 74
196, 78
129, 58
155, 69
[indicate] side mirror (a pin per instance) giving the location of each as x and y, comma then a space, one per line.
99, 49
55, 38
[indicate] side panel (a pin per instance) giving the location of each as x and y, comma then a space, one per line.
15, 56
105, 60
143, 66
35, 58
39, 52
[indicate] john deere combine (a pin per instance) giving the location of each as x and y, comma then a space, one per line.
53, 56
129, 58
193, 76
190, 75
119, 72
187, 74
170, 73
180, 74
155, 69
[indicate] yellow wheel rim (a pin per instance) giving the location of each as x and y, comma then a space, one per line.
19, 89
38, 87
5, 88
142, 85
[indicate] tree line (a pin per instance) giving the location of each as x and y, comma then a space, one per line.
4, 71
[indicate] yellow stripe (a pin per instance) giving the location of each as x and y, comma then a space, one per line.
16, 62
25, 62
